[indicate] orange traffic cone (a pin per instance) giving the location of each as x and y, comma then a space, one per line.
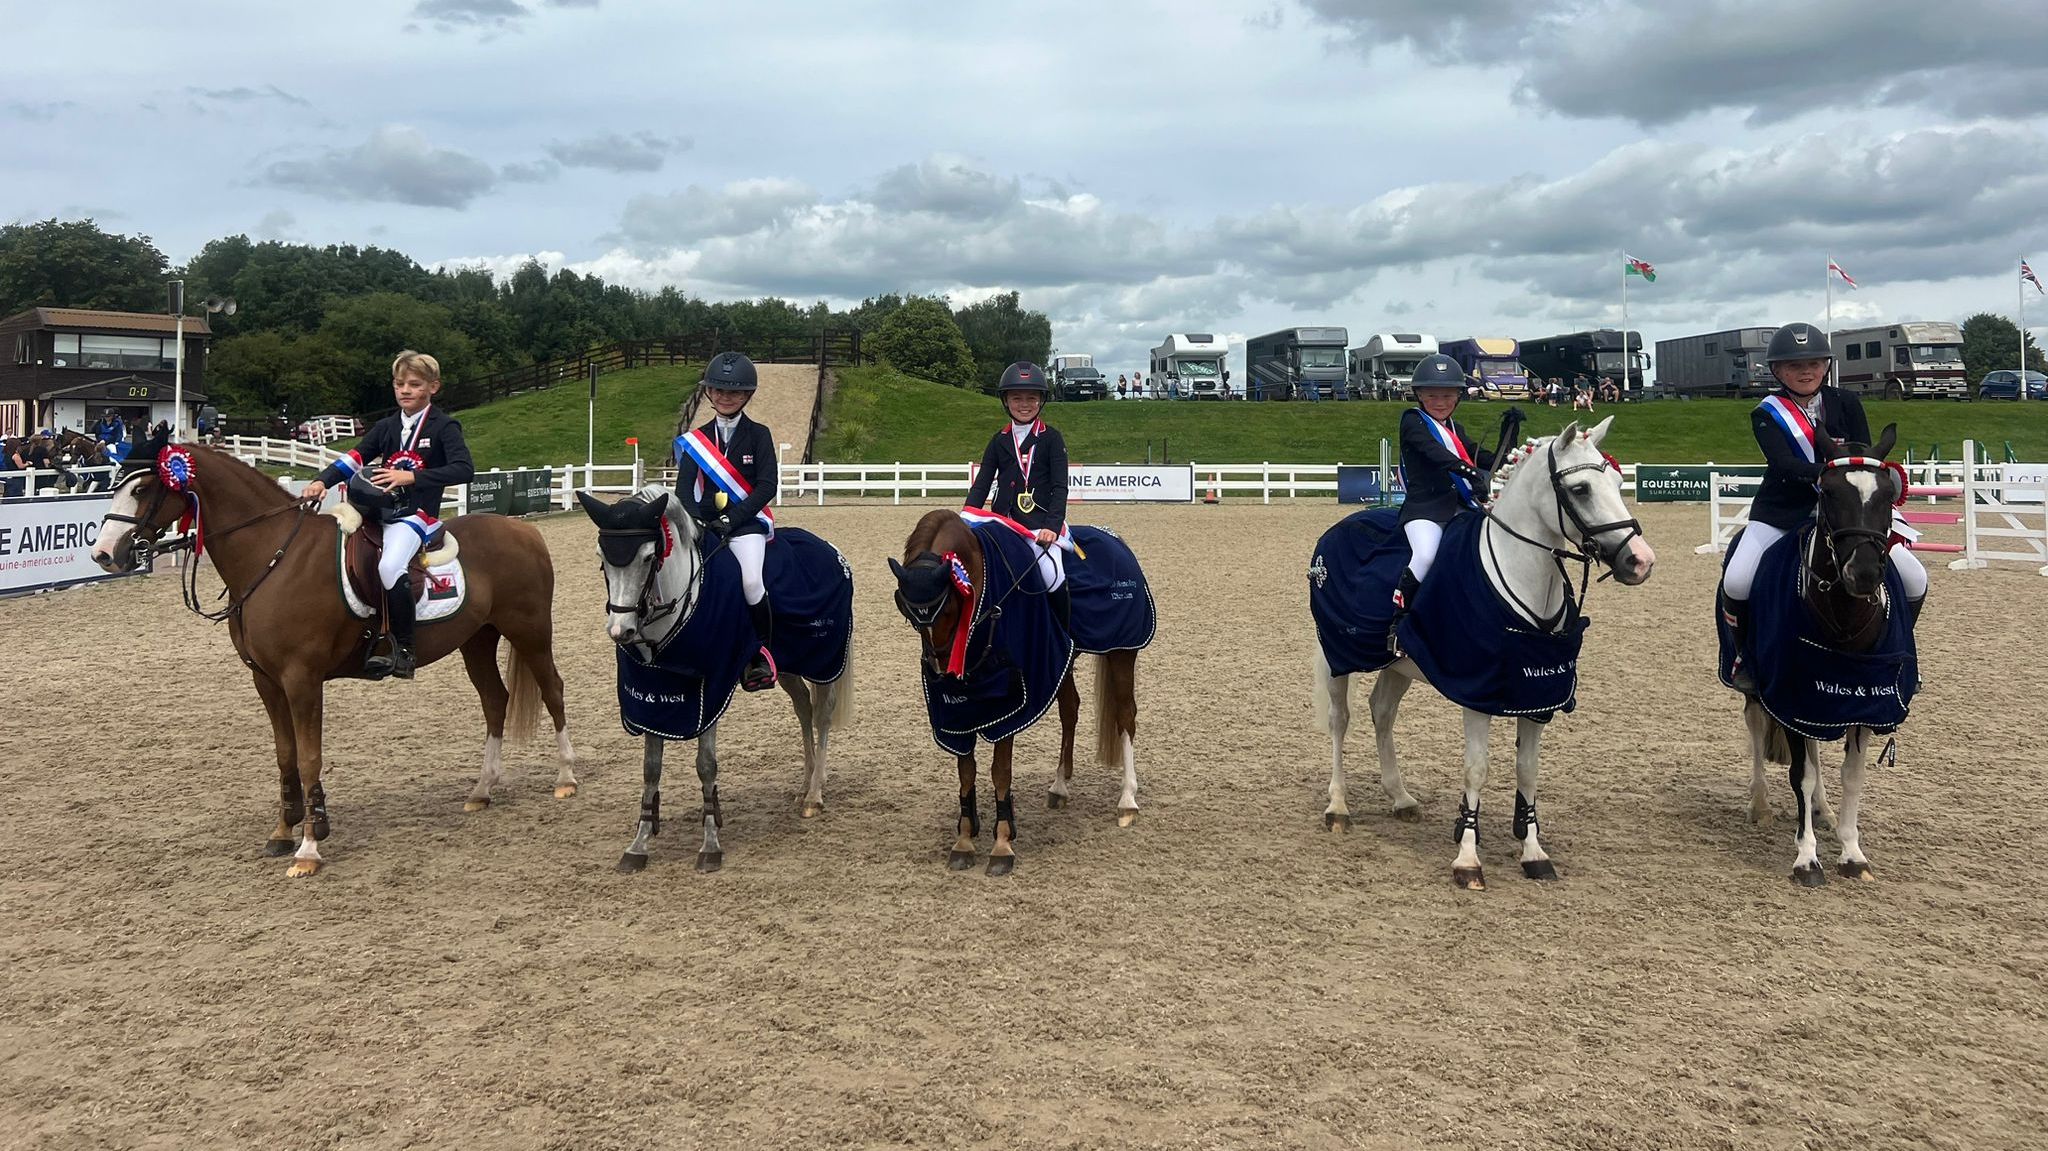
1215, 493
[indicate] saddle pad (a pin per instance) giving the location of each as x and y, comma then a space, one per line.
1462, 635
1017, 655
1113, 608
697, 669
1812, 689
445, 590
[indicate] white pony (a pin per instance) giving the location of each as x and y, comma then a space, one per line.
647, 597
1563, 502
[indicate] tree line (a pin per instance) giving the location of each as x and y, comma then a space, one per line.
315, 327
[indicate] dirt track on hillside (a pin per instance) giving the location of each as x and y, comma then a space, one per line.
1224, 973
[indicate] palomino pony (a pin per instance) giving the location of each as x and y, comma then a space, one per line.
929, 596
654, 582
290, 625
1844, 592
1562, 502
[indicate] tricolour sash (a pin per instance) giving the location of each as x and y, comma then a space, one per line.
1449, 439
1794, 424
703, 450
975, 516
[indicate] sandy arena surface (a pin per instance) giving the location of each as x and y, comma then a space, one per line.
1224, 973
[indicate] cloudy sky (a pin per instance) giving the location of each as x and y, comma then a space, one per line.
1459, 167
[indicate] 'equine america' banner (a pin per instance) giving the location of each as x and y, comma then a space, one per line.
1115, 483
47, 542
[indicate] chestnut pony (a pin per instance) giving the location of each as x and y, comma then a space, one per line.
289, 624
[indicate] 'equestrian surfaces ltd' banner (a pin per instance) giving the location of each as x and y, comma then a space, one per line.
47, 542
1112, 483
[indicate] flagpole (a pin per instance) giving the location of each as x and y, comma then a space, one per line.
1827, 283
2023, 335
1624, 330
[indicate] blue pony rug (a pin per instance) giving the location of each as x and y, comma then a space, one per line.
1462, 635
1814, 690
1017, 656
691, 682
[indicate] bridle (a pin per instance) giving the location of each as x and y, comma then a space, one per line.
647, 606
146, 533
1588, 536
1858, 536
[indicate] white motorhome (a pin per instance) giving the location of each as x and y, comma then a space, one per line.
1062, 363
1383, 366
1189, 365
1902, 361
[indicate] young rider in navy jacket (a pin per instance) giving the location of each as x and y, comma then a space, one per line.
1025, 467
1799, 356
423, 452
744, 451
1441, 469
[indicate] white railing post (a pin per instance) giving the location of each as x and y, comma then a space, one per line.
1266, 480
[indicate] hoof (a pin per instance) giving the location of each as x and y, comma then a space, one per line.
1468, 878
301, 868
1336, 821
813, 810
710, 860
474, 805
279, 848
1410, 814
1812, 875
1761, 816
1055, 800
1126, 817
631, 864
1001, 865
1856, 870
959, 860
1538, 869
565, 791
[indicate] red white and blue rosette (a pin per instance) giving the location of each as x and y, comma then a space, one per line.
406, 461
174, 467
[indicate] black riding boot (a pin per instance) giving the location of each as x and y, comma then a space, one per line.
1404, 602
1742, 678
1913, 607
760, 673
1061, 599
398, 609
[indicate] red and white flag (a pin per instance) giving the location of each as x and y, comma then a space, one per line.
1836, 270
2027, 274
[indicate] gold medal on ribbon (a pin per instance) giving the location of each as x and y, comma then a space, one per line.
1025, 503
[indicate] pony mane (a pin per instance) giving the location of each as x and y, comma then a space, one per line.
1516, 456
927, 530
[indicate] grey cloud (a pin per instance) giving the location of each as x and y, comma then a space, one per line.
695, 214
244, 95
640, 152
538, 172
277, 225
487, 15
1653, 63
41, 112
948, 186
395, 165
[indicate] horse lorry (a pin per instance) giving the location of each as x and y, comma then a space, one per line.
1490, 364
1603, 355
1725, 363
1296, 363
1902, 361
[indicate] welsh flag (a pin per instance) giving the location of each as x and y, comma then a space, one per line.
1641, 268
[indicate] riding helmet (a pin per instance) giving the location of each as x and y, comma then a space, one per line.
731, 371
1024, 376
1798, 341
1438, 371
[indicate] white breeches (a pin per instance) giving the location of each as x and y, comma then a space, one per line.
750, 551
1757, 539
1052, 567
1423, 538
402, 541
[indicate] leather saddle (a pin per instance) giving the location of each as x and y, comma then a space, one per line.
361, 551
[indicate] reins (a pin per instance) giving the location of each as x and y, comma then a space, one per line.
189, 584
1559, 556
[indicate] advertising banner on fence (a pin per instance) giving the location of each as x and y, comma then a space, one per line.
1358, 484
1687, 483
533, 492
2033, 475
47, 542
490, 492
1118, 483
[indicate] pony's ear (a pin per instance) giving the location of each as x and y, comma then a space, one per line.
1886, 441
599, 512
1826, 444
1568, 435
896, 569
1599, 431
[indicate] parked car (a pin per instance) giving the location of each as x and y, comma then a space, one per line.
1082, 383
2005, 385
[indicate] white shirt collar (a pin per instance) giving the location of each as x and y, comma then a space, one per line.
1019, 431
726, 424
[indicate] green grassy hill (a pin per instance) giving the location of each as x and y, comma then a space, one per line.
881, 416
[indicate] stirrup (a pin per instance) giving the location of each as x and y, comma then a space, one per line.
760, 674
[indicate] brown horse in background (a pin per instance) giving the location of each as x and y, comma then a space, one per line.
291, 626
936, 619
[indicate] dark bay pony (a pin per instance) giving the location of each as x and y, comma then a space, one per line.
1842, 575
928, 598
290, 625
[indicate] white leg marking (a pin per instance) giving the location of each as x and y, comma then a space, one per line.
1478, 726
565, 753
1127, 805
488, 778
1528, 739
1809, 780
1853, 754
